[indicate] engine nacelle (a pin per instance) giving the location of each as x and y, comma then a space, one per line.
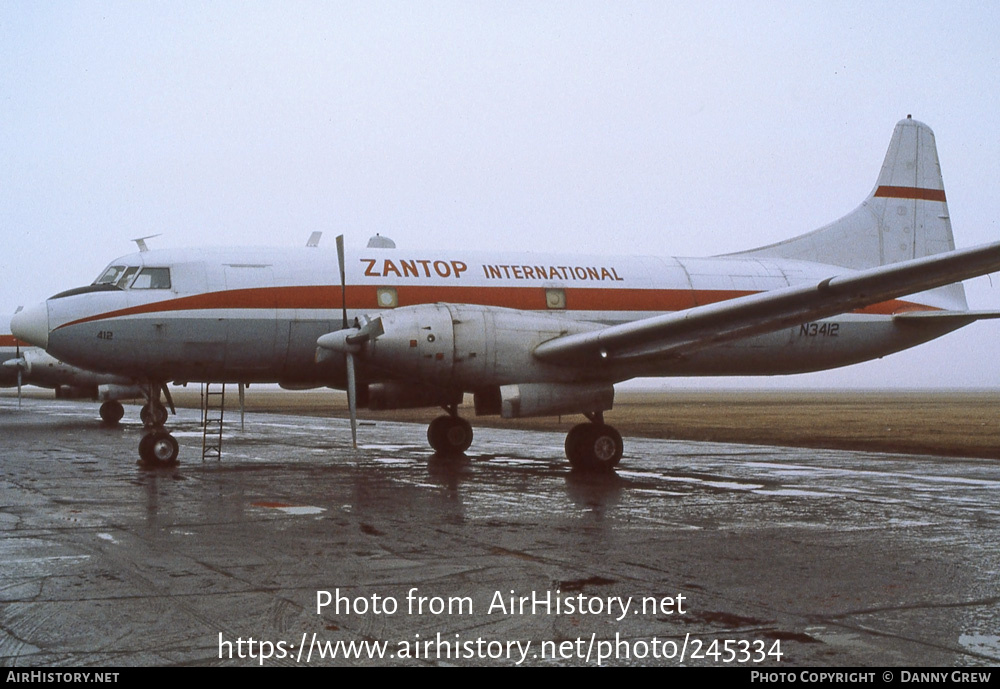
467, 346
73, 392
298, 386
550, 399
401, 396
110, 392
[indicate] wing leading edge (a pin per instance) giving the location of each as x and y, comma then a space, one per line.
682, 332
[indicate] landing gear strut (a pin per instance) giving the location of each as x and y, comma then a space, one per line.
450, 435
594, 446
157, 447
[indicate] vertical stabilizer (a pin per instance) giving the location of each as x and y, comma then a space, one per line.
904, 217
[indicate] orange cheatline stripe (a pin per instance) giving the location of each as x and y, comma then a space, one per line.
362, 297
313, 297
910, 193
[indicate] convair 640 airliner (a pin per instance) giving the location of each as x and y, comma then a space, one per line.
526, 334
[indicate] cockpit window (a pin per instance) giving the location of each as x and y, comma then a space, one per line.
126, 277
152, 278
110, 276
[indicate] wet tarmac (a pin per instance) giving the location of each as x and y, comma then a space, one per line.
296, 547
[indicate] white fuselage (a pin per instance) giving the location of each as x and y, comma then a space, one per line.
254, 314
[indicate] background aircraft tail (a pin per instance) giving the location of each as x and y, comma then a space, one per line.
904, 217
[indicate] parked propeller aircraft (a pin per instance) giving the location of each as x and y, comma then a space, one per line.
22, 364
527, 334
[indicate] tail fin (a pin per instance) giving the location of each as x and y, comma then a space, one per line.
904, 217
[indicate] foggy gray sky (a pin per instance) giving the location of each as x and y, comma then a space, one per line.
621, 127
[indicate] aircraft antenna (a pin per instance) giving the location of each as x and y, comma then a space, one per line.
141, 241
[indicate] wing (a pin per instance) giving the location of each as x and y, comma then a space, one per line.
685, 331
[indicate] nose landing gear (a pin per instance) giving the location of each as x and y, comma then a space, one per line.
157, 448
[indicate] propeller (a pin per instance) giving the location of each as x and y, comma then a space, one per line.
348, 341
20, 362
352, 392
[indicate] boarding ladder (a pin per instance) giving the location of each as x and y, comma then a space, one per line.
213, 407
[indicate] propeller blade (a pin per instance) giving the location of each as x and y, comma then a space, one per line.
18, 387
371, 330
352, 387
343, 277
352, 398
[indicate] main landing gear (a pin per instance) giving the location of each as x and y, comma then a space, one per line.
450, 435
594, 446
157, 448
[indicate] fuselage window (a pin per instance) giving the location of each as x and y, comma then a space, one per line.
152, 278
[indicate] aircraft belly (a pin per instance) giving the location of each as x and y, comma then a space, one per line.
300, 360
250, 344
170, 347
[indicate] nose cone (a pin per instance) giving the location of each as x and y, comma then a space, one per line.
32, 325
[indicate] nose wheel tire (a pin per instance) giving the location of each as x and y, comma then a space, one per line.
594, 447
158, 448
449, 435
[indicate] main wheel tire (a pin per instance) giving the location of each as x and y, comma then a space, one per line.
573, 447
449, 435
145, 457
594, 447
112, 412
153, 416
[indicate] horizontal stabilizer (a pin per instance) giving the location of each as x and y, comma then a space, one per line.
938, 316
